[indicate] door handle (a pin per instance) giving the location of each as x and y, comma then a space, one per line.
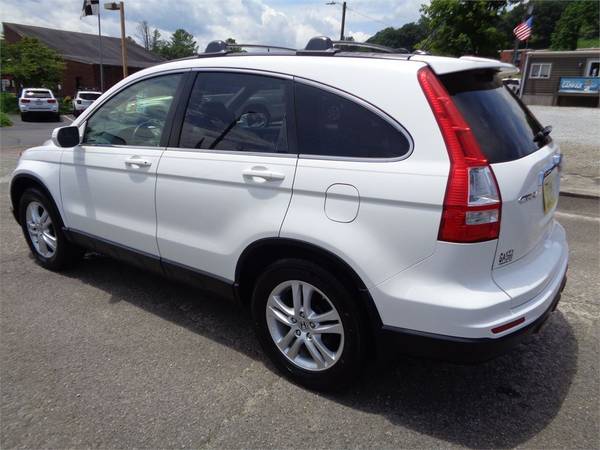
263, 173
137, 161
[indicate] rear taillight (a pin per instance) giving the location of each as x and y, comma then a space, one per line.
25, 100
472, 204
51, 100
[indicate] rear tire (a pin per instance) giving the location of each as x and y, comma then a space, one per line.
323, 339
57, 117
24, 117
42, 228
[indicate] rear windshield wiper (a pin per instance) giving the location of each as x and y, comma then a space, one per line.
542, 134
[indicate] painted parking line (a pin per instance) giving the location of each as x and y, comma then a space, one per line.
67, 117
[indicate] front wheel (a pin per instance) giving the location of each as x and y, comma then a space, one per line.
309, 324
43, 232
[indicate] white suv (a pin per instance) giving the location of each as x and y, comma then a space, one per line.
348, 200
38, 101
83, 99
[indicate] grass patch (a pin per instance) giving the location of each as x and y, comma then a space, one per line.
8, 103
4, 120
588, 43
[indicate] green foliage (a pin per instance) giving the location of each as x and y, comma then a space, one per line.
460, 27
31, 63
407, 36
588, 43
5, 120
545, 15
579, 19
180, 45
65, 105
233, 43
8, 103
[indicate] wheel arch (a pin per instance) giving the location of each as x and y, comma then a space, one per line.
260, 254
20, 183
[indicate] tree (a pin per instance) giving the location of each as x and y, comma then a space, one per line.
234, 47
407, 36
31, 63
144, 34
545, 15
180, 45
460, 27
155, 42
579, 19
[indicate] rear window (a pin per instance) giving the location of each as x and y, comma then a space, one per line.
502, 124
88, 96
37, 94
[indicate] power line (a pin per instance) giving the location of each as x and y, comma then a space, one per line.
369, 17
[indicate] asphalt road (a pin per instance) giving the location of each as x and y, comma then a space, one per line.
108, 356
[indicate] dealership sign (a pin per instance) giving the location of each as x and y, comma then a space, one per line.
579, 85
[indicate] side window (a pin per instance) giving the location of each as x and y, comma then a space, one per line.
236, 111
134, 116
331, 125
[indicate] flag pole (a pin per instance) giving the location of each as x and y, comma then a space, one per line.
100, 39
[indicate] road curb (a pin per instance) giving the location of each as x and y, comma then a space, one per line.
580, 195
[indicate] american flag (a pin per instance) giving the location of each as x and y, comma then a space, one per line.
523, 30
90, 8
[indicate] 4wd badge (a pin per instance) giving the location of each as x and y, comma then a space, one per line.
505, 257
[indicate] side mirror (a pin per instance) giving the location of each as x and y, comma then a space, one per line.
66, 136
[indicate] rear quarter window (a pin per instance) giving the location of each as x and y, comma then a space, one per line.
503, 126
331, 125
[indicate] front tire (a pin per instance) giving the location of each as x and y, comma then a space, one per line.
309, 324
42, 228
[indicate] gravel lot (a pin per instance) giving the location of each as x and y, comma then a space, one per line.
108, 356
577, 130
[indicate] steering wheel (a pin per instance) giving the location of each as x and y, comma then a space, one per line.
150, 124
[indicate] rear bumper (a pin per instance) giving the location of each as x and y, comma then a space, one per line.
458, 349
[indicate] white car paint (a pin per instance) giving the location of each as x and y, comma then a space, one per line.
31, 104
80, 103
201, 210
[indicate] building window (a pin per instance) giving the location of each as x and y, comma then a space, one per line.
593, 68
540, 70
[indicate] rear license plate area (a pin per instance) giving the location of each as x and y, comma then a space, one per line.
550, 189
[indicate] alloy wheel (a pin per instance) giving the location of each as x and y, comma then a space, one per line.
305, 325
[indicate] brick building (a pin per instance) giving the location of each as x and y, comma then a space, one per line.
81, 54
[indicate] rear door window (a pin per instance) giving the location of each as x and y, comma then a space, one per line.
331, 125
37, 94
238, 112
503, 125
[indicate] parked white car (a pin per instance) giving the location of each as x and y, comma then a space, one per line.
83, 99
401, 202
38, 101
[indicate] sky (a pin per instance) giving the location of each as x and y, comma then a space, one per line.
274, 22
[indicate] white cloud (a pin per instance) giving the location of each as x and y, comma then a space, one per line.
276, 22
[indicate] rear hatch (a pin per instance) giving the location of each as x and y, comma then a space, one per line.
38, 99
526, 165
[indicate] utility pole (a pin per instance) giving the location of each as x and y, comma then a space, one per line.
101, 64
343, 17
114, 6
343, 21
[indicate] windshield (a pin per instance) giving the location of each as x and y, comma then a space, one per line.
503, 125
89, 96
37, 94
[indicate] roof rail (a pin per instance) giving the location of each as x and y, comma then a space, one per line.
216, 48
381, 48
320, 46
